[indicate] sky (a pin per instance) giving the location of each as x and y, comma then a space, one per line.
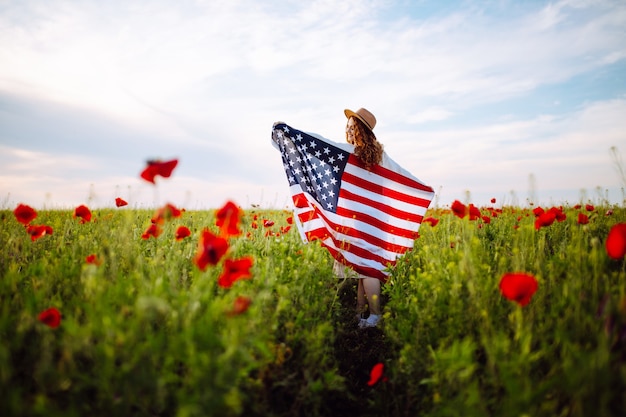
521, 101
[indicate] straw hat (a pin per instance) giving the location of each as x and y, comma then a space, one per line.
363, 115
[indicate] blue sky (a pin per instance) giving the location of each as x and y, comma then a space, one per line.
521, 101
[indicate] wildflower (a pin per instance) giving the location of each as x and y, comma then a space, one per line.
93, 259
474, 212
268, 223
589, 207
24, 214
544, 219
152, 231
559, 214
228, 219
211, 249
538, 211
583, 218
182, 232
235, 270
486, 219
166, 213
431, 220
493, 201
120, 202
83, 212
155, 168
240, 305
518, 287
458, 208
50, 317
376, 374
616, 241
37, 231
290, 220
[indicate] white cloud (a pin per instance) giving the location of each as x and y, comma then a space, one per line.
428, 115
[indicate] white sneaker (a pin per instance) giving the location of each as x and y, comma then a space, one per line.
372, 321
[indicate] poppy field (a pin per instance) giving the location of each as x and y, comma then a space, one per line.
501, 311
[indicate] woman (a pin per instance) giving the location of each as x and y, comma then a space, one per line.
359, 132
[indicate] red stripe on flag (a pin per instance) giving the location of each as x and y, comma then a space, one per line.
387, 192
373, 221
400, 214
363, 270
391, 175
349, 231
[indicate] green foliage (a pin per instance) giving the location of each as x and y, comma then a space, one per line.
147, 333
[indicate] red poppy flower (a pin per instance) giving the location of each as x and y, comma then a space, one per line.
254, 225
583, 218
459, 209
227, 219
240, 305
559, 214
93, 259
37, 231
211, 249
50, 317
290, 220
431, 220
24, 213
120, 203
268, 223
376, 374
589, 207
83, 212
166, 213
486, 219
616, 241
493, 201
518, 287
182, 232
155, 168
474, 212
285, 229
235, 270
538, 211
152, 231
545, 219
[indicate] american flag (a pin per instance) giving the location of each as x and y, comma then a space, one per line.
365, 218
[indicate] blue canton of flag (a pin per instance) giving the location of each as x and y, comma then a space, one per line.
313, 164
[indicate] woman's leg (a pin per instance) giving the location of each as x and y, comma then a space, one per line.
360, 298
371, 287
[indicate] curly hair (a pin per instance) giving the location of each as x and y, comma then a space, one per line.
366, 146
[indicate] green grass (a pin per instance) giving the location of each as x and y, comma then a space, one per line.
146, 333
